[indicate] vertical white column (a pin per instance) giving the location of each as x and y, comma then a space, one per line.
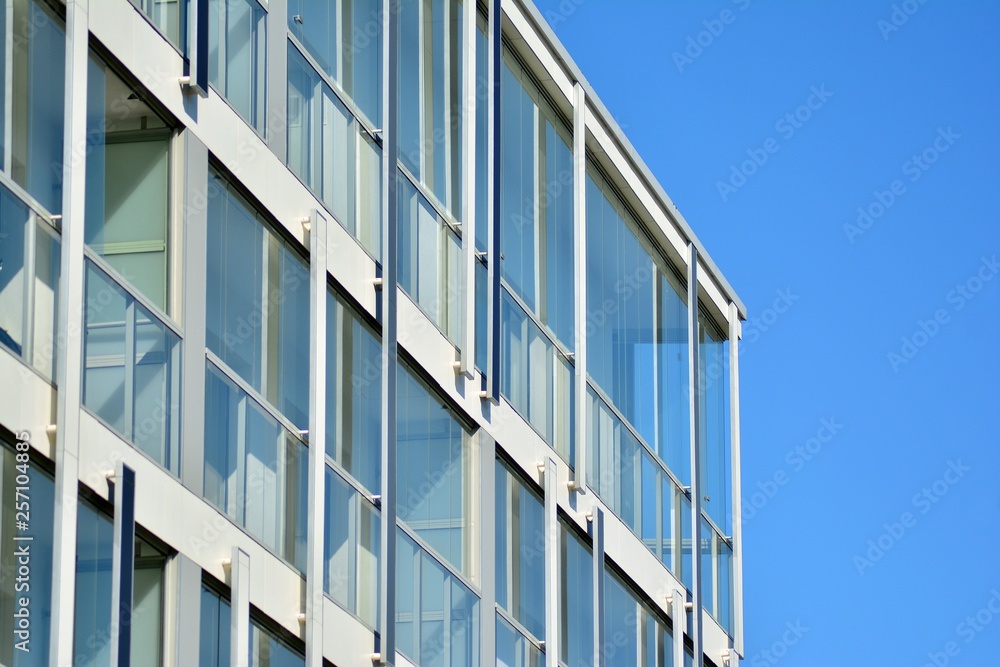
735, 333
580, 288
277, 74
317, 440
390, 352
186, 619
552, 611
192, 174
69, 352
678, 601
239, 617
467, 359
122, 566
487, 537
693, 384
493, 250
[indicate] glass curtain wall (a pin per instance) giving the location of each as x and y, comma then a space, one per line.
576, 591
520, 553
435, 464
92, 630
333, 152
713, 431
537, 327
29, 280
635, 636
237, 38
128, 183
353, 394
36, 96
352, 547
169, 17
344, 39
18, 470
257, 381
437, 615
131, 374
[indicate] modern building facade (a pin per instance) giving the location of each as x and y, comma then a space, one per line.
349, 332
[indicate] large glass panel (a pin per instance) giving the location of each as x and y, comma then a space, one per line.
576, 592
350, 576
131, 376
713, 429
430, 260
637, 328
255, 470
726, 610
536, 377
20, 481
353, 394
92, 630
621, 640
267, 650
482, 306
537, 204
483, 86
92, 613
708, 575
214, 636
514, 649
430, 97
687, 541
437, 616
520, 556
345, 40
258, 300
37, 109
333, 153
14, 279
147, 605
236, 47
169, 16
128, 160
434, 473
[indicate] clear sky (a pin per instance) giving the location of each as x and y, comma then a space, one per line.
886, 346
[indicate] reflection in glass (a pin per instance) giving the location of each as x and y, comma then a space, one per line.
258, 298
236, 47
430, 260
353, 394
255, 470
576, 592
350, 576
37, 109
437, 616
434, 473
29, 278
131, 374
520, 555
39, 594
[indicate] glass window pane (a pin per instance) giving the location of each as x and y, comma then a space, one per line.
434, 463
713, 433
13, 272
92, 612
131, 369
169, 16
354, 394
267, 649
38, 62
41, 490
520, 559
576, 592
237, 37
215, 629
350, 576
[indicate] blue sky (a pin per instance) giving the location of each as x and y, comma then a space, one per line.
887, 346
